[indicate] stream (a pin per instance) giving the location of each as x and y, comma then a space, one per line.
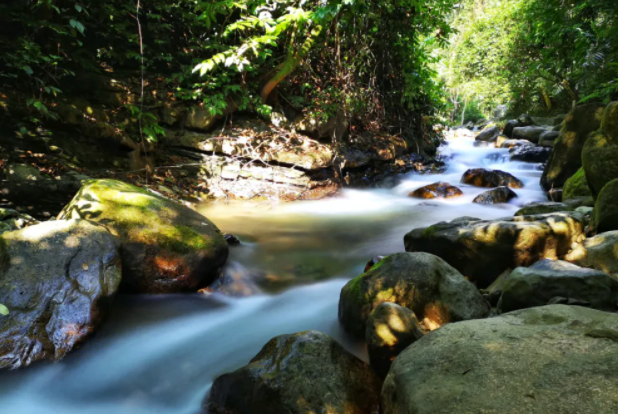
160, 354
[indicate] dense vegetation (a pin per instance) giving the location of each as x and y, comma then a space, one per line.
363, 60
533, 55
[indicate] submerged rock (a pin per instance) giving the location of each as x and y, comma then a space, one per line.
437, 190
307, 372
57, 280
548, 360
529, 153
482, 250
566, 157
166, 247
548, 280
600, 153
605, 216
390, 329
480, 177
543, 208
423, 283
599, 252
231, 240
496, 196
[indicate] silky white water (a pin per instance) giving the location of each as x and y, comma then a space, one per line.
159, 355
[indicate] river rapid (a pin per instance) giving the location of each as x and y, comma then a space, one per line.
160, 354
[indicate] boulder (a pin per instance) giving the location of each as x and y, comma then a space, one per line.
437, 190
482, 250
566, 156
548, 280
530, 133
605, 216
307, 372
489, 134
480, 177
57, 280
576, 186
530, 153
390, 329
543, 208
374, 261
509, 127
166, 247
498, 195
421, 282
600, 153
599, 252
523, 121
559, 119
548, 138
547, 360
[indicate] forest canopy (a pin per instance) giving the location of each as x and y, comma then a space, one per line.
541, 55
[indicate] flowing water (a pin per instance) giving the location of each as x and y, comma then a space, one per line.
159, 355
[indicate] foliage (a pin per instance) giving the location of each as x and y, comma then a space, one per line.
533, 54
370, 62
3, 310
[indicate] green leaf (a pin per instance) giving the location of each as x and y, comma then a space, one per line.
77, 26
3, 310
79, 8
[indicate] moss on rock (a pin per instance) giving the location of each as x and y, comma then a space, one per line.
167, 247
605, 215
576, 186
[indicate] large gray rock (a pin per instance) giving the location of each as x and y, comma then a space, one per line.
421, 282
489, 134
549, 360
307, 372
599, 252
566, 157
57, 280
166, 246
482, 250
549, 280
531, 133
390, 329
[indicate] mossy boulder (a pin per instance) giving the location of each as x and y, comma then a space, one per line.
530, 133
421, 282
566, 156
166, 247
489, 134
57, 280
600, 154
576, 186
605, 215
547, 360
304, 373
482, 250
550, 280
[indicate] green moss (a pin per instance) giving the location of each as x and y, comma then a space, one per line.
178, 239
430, 231
576, 186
